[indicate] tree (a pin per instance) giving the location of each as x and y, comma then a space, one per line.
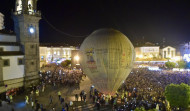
178, 95
140, 109
66, 63
170, 64
182, 64
143, 109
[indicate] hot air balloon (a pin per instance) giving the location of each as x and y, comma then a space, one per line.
107, 58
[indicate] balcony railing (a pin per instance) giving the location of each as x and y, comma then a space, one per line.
35, 13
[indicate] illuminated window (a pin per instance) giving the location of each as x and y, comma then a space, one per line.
68, 53
164, 54
172, 52
58, 53
30, 6
20, 61
49, 53
168, 51
19, 6
6, 62
54, 52
42, 57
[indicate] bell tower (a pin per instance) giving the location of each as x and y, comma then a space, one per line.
26, 26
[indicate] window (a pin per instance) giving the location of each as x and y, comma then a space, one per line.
42, 58
32, 63
20, 61
164, 54
32, 46
172, 53
1, 49
168, 51
6, 62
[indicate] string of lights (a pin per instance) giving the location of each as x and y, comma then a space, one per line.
60, 31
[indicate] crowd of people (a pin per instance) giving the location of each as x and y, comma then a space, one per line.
142, 88
62, 76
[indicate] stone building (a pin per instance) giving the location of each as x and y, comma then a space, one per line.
26, 26
11, 62
19, 52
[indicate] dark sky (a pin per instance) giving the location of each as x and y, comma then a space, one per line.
153, 19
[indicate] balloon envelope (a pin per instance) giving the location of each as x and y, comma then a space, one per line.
107, 58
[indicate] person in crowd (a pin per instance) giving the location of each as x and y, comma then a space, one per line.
26, 99
59, 95
76, 97
50, 99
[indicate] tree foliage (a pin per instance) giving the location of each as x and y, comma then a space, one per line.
170, 64
66, 63
140, 109
178, 95
182, 64
143, 109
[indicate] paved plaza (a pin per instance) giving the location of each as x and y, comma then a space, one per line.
67, 92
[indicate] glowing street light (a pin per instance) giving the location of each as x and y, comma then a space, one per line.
31, 29
76, 58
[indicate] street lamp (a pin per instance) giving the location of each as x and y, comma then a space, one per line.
31, 30
76, 58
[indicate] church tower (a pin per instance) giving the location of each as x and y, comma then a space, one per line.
26, 26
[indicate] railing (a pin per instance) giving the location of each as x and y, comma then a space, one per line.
35, 13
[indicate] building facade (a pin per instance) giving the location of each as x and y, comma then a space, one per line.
147, 52
19, 52
185, 51
26, 26
168, 52
55, 54
11, 62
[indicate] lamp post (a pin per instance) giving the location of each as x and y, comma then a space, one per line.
76, 58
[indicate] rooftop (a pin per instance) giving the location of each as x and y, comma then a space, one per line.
7, 32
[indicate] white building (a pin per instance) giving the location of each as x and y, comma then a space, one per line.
185, 51
147, 52
168, 52
11, 62
55, 54
1, 21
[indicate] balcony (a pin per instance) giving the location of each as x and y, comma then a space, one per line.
35, 13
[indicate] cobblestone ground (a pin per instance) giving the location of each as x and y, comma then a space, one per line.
67, 92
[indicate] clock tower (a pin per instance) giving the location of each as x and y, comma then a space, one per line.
26, 26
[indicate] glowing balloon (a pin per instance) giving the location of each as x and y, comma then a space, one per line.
107, 58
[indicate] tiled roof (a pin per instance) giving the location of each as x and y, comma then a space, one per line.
9, 43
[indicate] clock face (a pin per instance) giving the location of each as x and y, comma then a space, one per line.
31, 30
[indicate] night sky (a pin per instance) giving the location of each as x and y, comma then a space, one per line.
151, 19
